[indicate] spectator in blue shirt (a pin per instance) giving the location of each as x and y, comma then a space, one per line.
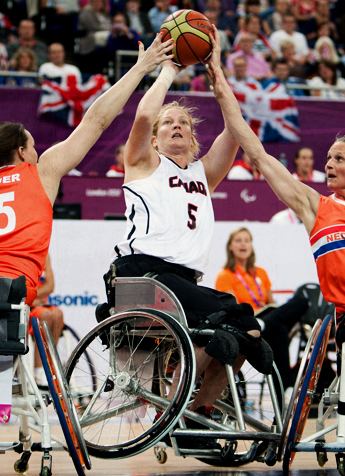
281, 74
160, 12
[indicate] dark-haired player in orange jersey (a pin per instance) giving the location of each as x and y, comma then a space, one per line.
28, 185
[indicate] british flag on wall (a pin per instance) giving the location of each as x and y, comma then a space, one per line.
268, 109
68, 100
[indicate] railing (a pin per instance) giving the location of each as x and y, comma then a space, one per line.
307, 87
123, 66
19, 78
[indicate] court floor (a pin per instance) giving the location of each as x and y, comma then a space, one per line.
145, 464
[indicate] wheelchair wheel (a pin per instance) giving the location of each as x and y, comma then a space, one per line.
60, 394
307, 391
298, 384
67, 343
137, 355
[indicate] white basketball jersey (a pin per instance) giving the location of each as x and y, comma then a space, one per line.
170, 215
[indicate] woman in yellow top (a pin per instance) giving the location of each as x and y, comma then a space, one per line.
250, 284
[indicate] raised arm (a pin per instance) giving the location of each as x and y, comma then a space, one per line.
61, 158
140, 156
220, 157
295, 194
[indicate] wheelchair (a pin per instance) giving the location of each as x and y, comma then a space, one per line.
316, 388
144, 367
329, 406
22, 396
300, 333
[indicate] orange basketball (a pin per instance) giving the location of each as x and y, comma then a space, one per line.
191, 31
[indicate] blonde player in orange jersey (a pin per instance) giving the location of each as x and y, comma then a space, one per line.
28, 185
322, 216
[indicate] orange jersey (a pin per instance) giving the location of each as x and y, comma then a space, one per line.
327, 239
252, 289
26, 217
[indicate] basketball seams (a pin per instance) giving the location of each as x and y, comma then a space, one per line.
190, 47
181, 37
192, 43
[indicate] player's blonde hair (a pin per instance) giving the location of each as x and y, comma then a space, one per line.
193, 120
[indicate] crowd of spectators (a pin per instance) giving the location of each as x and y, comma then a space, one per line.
293, 41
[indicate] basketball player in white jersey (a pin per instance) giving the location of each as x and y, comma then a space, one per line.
170, 221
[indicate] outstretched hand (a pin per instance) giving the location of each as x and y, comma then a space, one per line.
156, 53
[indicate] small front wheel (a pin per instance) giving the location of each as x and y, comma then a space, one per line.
160, 454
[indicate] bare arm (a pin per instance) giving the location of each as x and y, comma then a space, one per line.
140, 156
296, 195
220, 157
62, 157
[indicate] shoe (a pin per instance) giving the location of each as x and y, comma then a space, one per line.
192, 442
256, 350
197, 442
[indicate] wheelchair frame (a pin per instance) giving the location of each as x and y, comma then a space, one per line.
331, 414
30, 405
143, 308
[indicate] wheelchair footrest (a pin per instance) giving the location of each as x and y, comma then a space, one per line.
227, 435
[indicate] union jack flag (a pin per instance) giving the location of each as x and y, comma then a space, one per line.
68, 101
268, 109
5, 22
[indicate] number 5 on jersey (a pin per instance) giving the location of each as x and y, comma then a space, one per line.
192, 209
8, 211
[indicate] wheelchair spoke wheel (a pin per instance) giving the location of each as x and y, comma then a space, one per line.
60, 394
136, 355
306, 391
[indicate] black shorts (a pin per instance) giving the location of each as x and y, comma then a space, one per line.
198, 302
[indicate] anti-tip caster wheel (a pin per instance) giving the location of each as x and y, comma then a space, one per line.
340, 459
160, 454
22, 464
45, 471
322, 458
46, 465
